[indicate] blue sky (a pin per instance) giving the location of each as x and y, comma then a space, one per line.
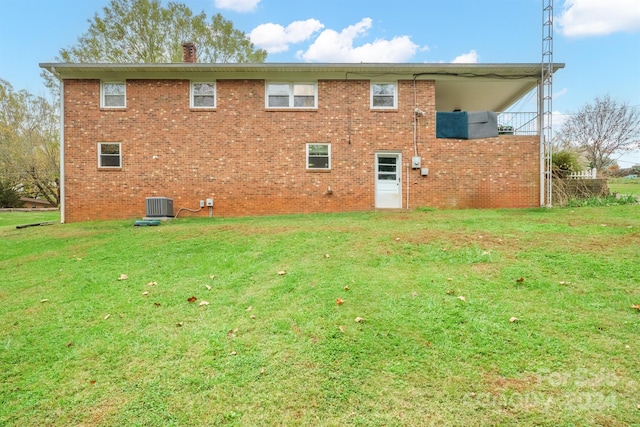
598, 40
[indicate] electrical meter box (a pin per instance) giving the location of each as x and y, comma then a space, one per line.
416, 161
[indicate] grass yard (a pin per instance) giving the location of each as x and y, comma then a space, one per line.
624, 186
472, 317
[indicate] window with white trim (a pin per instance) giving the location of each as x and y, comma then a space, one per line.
318, 156
203, 94
292, 95
384, 95
109, 155
113, 95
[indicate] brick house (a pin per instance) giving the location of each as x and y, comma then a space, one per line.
288, 138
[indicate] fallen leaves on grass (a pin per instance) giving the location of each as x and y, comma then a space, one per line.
69, 344
123, 277
346, 288
281, 273
249, 308
514, 320
156, 304
636, 306
233, 353
451, 291
327, 256
461, 298
253, 316
192, 299
520, 280
44, 300
208, 287
212, 276
152, 283
341, 329
107, 316
145, 293
359, 320
339, 301
231, 333
179, 324
203, 303
564, 283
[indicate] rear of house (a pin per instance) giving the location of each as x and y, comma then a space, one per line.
258, 139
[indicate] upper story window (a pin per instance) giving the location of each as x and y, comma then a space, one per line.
384, 96
203, 94
292, 95
109, 155
113, 95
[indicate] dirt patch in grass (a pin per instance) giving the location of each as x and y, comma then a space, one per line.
496, 383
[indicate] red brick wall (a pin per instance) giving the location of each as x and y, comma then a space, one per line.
251, 161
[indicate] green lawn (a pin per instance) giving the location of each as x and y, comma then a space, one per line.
624, 186
471, 317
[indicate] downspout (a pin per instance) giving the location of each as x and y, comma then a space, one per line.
542, 142
62, 204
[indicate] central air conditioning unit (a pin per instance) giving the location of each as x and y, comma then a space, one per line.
159, 207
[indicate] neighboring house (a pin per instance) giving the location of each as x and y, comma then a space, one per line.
30, 203
288, 138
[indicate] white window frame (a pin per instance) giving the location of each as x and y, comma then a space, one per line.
395, 96
290, 94
192, 94
103, 94
100, 155
309, 167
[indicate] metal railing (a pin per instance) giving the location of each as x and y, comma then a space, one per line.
518, 124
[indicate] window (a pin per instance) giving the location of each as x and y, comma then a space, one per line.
203, 95
319, 156
113, 95
384, 95
109, 155
292, 95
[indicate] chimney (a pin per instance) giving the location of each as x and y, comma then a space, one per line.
189, 52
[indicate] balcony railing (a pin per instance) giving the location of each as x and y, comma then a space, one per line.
518, 123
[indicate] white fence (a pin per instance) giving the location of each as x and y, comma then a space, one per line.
588, 174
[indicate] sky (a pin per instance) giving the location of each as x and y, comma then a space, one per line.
597, 40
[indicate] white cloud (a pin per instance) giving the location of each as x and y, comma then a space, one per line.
333, 46
275, 38
470, 57
237, 5
599, 17
560, 93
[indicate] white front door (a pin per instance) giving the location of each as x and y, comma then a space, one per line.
388, 180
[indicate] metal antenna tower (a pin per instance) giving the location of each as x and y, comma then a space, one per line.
545, 105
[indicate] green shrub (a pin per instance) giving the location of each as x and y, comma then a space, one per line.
610, 200
9, 198
564, 163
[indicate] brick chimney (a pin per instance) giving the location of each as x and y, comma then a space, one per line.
189, 52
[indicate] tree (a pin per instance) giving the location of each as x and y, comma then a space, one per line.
143, 31
29, 147
602, 129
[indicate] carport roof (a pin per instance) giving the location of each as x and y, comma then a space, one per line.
466, 87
